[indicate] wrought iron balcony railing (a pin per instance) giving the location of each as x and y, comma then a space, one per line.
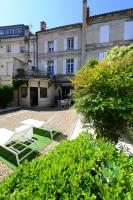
28, 74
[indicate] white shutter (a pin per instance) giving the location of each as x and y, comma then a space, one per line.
104, 33
76, 42
64, 66
45, 66
75, 65
65, 44
40, 66
128, 30
46, 46
9, 69
55, 67
55, 45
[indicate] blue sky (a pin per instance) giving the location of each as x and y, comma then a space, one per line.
54, 12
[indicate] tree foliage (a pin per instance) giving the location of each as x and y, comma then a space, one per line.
79, 170
104, 92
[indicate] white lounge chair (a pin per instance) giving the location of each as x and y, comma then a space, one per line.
33, 123
8, 140
41, 125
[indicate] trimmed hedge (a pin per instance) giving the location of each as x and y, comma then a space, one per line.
46, 132
6, 95
79, 170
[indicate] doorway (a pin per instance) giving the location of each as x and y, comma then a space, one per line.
34, 96
66, 91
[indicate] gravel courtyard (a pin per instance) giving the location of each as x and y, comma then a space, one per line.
62, 119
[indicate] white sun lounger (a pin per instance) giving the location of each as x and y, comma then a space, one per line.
33, 123
22, 134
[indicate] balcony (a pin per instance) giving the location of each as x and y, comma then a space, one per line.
24, 74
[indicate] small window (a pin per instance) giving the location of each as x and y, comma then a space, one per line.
1, 32
102, 55
50, 46
70, 66
22, 49
23, 92
43, 92
70, 43
104, 33
8, 49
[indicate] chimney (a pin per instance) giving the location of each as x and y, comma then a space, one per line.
84, 25
85, 11
88, 13
43, 26
27, 31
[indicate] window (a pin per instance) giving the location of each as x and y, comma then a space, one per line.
102, 55
23, 92
50, 68
1, 32
128, 30
51, 46
22, 49
43, 92
70, 66
8, 49
104, 33
70, 43
19, 30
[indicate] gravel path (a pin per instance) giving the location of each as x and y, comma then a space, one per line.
63, 120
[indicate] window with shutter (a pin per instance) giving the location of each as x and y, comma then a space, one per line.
104, 33
128, 30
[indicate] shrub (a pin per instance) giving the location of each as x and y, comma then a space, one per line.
104, 93
81, 169
6, 95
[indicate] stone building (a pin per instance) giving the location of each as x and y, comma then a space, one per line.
54, 55
16, 49
63, 50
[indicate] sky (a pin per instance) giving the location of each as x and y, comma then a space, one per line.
54, 12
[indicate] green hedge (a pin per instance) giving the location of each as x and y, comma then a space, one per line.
46, 132
83, 169
6, 95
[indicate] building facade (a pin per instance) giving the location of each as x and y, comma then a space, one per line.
51, 57
16, 44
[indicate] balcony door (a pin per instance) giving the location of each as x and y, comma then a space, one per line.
34, 96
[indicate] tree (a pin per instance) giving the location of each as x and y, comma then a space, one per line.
104, 92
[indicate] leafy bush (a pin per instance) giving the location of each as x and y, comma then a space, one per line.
104, 92
6, 95
81, 169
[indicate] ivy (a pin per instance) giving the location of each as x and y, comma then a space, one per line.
18, 83
6, 92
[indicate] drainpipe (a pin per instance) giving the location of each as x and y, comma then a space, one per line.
34, 56
37, 51
84, 25
18, 96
